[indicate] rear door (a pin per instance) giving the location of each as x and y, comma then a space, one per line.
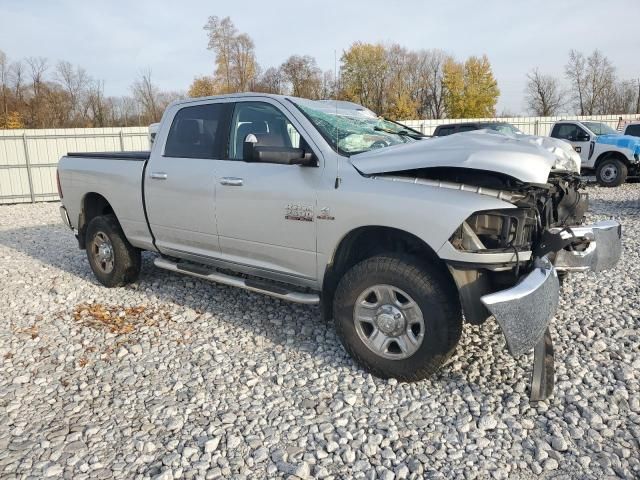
266, 212
179, 181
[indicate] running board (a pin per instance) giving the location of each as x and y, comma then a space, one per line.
245, 283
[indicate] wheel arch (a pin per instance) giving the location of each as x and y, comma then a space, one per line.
611, 154
367, 241
93, 204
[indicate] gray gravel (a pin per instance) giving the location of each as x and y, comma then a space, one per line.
208, 381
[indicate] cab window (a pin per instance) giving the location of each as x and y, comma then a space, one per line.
568, 131
198, 132
633, 130
269, 125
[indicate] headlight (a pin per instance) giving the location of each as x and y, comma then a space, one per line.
496, 230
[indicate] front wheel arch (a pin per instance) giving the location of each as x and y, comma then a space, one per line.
368, 241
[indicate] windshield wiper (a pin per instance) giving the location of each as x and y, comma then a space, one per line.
402, 133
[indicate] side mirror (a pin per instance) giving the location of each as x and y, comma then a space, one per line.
251, 152
582, 137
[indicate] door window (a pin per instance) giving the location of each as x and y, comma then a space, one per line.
269, 125
198, 132
568, 131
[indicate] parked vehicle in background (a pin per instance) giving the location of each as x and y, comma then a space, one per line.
612, 156
632, 128
451, 128
396, 236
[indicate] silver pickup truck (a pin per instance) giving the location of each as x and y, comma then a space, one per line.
399, 237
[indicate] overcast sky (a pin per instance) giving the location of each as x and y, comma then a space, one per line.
115, 40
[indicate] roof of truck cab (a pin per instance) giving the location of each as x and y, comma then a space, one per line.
183, 101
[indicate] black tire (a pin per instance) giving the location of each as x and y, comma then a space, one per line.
611, 172
436, 297
125, 259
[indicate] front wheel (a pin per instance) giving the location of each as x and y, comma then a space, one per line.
114, 261
397, 318
611, 172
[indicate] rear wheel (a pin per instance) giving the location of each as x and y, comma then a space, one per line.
611, 172
114, 261
397, 318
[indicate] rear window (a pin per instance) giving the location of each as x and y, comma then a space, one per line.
198, 132
633, 130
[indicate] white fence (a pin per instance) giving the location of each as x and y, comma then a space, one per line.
529, 125
28, 157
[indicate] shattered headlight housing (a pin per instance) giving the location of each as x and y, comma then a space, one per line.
496, 230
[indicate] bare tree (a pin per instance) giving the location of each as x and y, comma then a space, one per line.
74, 81
328, 88
271, 81
146, 95
429, 89
303, 76
620, 97
576, 73
37, 68
96, 104
591, 77
16, 76
543, 95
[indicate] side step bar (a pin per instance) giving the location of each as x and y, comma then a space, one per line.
247, 284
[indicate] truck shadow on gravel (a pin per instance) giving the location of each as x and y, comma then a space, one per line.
289, 325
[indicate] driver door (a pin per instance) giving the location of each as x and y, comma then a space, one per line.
577, 137
265, 211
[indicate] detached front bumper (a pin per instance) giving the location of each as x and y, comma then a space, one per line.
525, 310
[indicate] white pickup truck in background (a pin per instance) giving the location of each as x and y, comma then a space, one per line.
612, 156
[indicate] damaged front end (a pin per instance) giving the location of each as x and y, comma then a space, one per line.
509, 263
544, 238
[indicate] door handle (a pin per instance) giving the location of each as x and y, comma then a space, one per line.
231, 181
158, 175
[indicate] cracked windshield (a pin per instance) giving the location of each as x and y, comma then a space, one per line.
356, 130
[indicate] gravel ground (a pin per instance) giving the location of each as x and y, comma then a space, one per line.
177, 378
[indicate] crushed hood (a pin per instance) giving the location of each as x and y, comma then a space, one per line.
525, 159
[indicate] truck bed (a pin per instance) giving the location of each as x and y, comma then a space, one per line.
134, 156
